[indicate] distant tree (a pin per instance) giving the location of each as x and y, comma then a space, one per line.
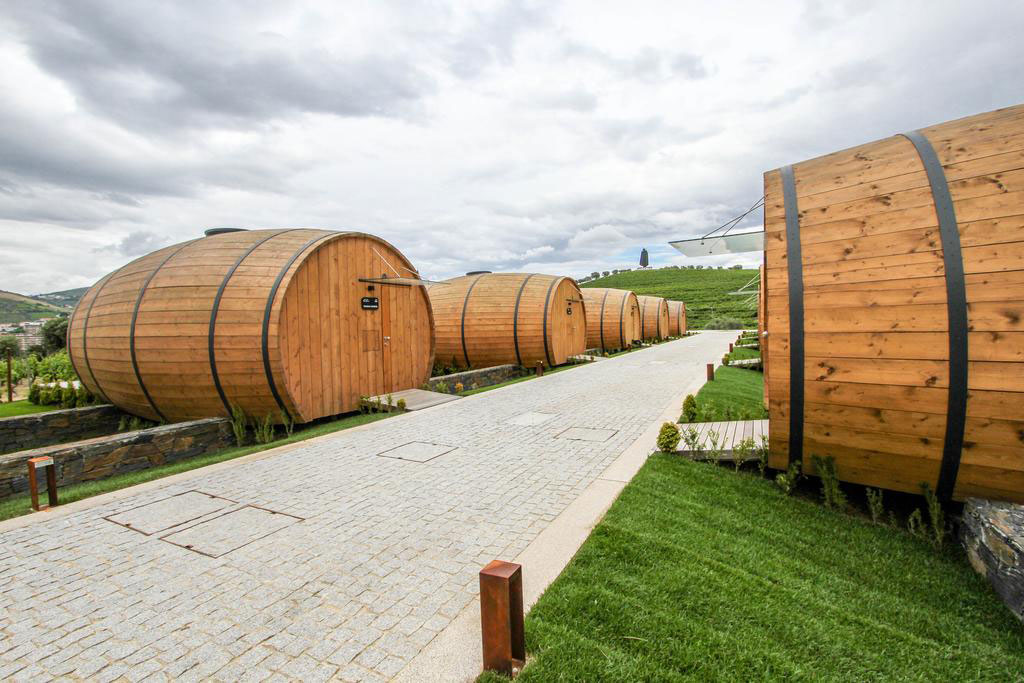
11, 343
55, 334
595, 275
615, 272
604, 274
737, 267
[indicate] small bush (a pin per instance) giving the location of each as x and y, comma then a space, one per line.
692, 439
288, 422
832, 494
441, 387
33, 394
876, 506
459, 387
391, 402
401, 405
762, 455
689, 408
936, 515
136, 423
725, 359
82, 397
68, 397
715, 448
239, 424
787, 480
122, 424
915, 525
668, 438
742, 451
265, 429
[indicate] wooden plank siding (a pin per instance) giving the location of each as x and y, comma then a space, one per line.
876, 322
313, 335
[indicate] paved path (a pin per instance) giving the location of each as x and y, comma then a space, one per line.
365, 558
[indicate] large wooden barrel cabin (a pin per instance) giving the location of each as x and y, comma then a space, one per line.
894, 289
485, 319
297, 322
676, 318
654, 320
613, 318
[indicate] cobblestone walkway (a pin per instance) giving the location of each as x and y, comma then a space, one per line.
327, 560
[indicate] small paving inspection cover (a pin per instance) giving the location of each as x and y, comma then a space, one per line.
417, 451
587, 434
170, 512
231, 531
532, 418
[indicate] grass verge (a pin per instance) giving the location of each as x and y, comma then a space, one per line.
23, 407
736, 394
15, 507
697, 573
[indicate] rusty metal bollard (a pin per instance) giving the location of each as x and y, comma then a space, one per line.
540, 368
35, 464
711, 372
501, 617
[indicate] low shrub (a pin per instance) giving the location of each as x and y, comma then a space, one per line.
67, 396
742, 451
33, 394
401, 405
788, 480
875, 504
689, 408
265, 429
239, 424
668, 438
830, 490
936, 515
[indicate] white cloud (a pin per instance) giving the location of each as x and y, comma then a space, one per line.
557, 136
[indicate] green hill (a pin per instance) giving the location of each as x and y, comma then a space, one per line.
16, 308
68, 298
705, 292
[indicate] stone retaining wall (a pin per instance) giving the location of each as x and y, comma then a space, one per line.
58, 426
993, 534
105, 456
474, 379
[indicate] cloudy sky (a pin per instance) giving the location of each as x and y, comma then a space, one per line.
553, 136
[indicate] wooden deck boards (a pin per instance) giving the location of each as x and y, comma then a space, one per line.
728, 435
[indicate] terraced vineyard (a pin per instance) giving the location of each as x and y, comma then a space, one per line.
705, 292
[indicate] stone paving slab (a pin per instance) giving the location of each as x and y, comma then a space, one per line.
386, 553
170, 512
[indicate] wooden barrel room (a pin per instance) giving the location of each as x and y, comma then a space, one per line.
894, 297
298, 323
485, 319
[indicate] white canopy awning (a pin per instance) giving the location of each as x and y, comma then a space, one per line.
739, 243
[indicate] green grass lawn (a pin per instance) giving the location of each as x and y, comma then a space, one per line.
705, 292
698, 573
15, 507
737, 390
23, 408
744, 354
